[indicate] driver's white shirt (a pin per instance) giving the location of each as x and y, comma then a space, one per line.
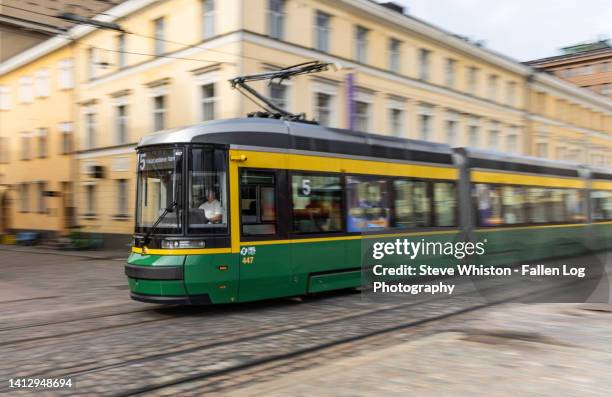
211, 209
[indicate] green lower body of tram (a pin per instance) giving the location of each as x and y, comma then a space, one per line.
295, 269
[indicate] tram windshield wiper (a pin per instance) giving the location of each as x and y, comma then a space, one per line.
167, 210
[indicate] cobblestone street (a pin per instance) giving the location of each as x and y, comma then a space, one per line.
68, 316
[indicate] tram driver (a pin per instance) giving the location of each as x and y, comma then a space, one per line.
212, 207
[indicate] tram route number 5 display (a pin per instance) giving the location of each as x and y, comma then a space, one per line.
305, 188
248, 255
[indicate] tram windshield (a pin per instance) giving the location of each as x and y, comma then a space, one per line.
159, 191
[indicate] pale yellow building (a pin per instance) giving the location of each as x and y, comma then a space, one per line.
172, 64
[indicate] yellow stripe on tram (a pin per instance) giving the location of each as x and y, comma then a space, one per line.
522, 179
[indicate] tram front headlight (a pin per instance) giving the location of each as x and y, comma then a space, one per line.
177, 244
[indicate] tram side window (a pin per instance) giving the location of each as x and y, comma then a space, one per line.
207, 191
445, 204
488, 204
513, 201
258, 203
601, 201
317, 203
539, 205
412, 204
368, 203
574, 205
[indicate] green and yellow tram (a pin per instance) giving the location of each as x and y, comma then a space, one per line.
257, 208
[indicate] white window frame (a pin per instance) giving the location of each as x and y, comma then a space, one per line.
493, 82
5, 97
89, 131
494, 130
66, 78
26, 89
276, 20
92, 65
208, 19
41, 83
361, 43
472, 80
452, 119
367, 98
24, 197
424, 61
122, 121
25, 142
426, 110
122, 197
43, 136
395, 55
121, 51
159, 36
450, 70
473, 126
399, 104
66, 133
41, 187
288, 91
320, 87
200, 81
322, 34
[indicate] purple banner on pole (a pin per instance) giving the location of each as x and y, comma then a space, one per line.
350, 96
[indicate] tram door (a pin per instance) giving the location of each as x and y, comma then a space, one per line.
265, 257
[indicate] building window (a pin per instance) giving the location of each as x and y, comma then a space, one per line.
473, 133
606, 89
425, 122
361, 44
26, 143
121, 122
512, 140
65, 130
121, 53
278, 95
42, 202
159, 112
5, 98
322, 31
208, 19
91, 63
4, 150
396, 115
542, 149
449, 72
42, 83
396, 121
323, 108
90, 130
472, 80
394, 55
24, 196
25, 89
541, 98
362, 116
65, 74
424, 56
90, 200
452, 126
122, 197
511, 93
159, 27
276, 18
493, 87
208, 101
494, 136
42, 142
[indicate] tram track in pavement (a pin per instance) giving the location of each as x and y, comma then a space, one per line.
296, 354
363, 318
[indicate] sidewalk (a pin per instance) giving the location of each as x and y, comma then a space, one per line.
513, 350
92, 254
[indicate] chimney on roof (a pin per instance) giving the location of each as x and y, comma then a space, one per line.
394, 7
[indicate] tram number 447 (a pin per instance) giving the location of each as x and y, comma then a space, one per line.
248, 255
